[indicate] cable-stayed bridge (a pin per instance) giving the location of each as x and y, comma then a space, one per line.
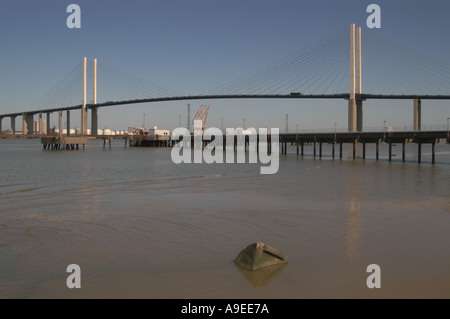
329, 69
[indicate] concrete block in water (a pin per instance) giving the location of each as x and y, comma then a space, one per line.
259, 255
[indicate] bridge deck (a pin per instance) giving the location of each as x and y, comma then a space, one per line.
239, 96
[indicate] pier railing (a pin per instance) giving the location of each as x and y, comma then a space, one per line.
387, 128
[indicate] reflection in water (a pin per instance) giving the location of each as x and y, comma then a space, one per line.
261, 277
351, 239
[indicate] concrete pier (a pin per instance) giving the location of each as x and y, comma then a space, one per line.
359, 115
48, 123
83, 107
60, 125
27, 126
13, 125
417, 118
359, 101
1, 119
40, 125
94, 121
352, 117
68, 123
94, 110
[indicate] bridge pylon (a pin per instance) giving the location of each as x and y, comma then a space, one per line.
94, 110
355, 103
83, 106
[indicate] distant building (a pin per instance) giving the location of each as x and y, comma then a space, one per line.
40, 127
157, 132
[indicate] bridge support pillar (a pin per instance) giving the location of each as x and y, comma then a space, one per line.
48, 123
359, 115
83, 122
83, 106
68, 123
417, 124
13, 125
60, 124
352, 115
1, 130
40, 124
94, 121
359, 101
27, 126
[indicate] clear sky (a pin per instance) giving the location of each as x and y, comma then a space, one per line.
196, 45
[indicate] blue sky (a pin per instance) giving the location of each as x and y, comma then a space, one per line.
196, 45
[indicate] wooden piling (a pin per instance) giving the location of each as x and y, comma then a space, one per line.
433, 157
354, 149
377, 150
364, 150
390, 150
403, 150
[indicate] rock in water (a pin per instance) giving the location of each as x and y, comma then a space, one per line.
259, 255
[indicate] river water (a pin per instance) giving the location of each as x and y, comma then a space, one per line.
140, 226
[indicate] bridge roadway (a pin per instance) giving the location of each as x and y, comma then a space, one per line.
344, 96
